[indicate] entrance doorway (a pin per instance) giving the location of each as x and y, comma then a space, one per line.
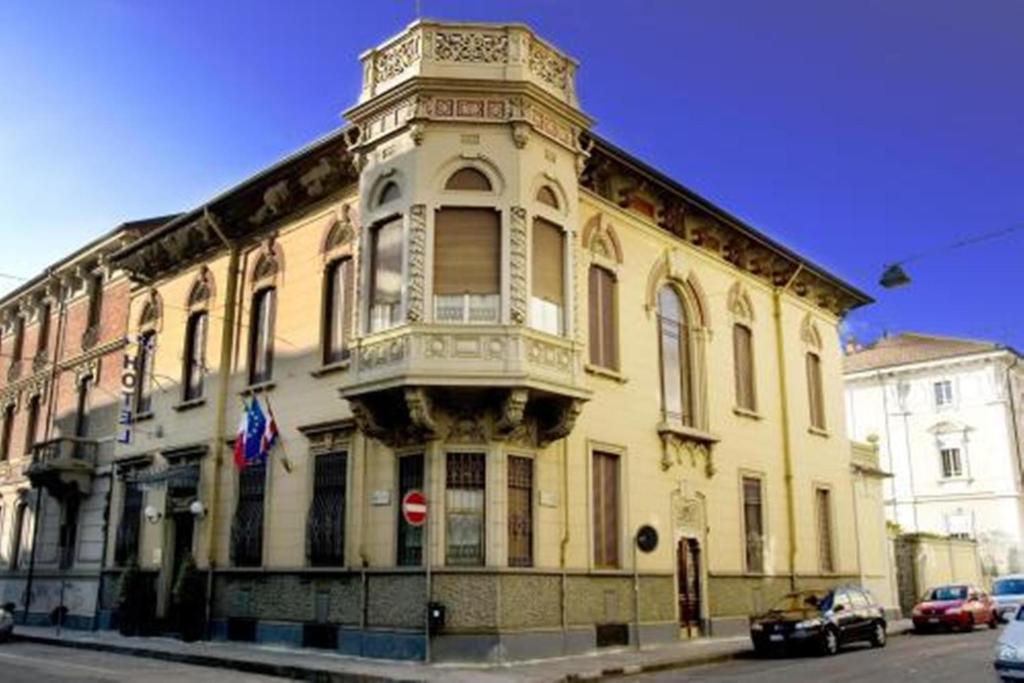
689, 587
183, 527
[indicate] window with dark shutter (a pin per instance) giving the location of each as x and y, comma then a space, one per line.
606, 509
261, 336
467, 265
410, 538
95, 300
326, 526
547, 301
604, 351
247, 528
464, 508
144, 373
7, 430
17, 536
753, 524
520, 511
31, 423
82, 408
386, 275
338, 299
43, 340
126, 546
743, 366
815, 391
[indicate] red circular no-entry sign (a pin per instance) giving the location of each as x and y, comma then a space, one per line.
414, 508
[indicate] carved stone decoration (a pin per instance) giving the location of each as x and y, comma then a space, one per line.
677, 449
395, 59
517, 265
512, 411
275, 199
470, 46
90, 337
739, 303
417, 261
89, 369
549, 66
365, 420
466, 427
520, 134
417, 401
809, 333
564, 423
314, 181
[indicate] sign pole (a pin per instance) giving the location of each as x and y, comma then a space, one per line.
426, 608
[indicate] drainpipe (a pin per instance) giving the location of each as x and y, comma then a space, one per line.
223, 387
787, 448
888, 443
1013, 416
564, 545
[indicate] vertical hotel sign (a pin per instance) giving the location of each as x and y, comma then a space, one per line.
129, 381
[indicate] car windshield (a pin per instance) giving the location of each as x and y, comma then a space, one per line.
1008, 587
798, 602
948, 593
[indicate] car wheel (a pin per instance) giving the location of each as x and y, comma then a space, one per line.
993, 622
969, 626
829, 642
878, 635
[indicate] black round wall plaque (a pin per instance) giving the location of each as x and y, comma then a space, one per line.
647, 538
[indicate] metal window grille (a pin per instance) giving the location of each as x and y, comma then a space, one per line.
464, 508
520, 511
126, 548
753, 518
247, 529
825, 554
326, 525
410, 538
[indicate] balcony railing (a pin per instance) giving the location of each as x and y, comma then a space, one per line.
66, 452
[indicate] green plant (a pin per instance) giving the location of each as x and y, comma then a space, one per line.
189, 597
131, 601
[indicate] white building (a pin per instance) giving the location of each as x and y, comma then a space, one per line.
948, 417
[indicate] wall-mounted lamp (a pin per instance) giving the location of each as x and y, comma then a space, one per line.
197, 509
152, 514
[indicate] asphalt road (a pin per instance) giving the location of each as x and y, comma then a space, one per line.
33, 663
960, 657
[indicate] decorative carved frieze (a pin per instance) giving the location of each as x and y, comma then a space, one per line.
417, 400
517, 264
382, 353
396, 58
470, 46
551, 67
417, 261
568, 411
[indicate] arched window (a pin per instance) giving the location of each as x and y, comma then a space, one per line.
338, 295
676, 365
547, 299
389, 193
261, 336
195, 356
468, 179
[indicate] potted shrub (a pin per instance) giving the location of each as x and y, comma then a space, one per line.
189, 596
131, 601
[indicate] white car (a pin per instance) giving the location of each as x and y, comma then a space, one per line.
6, 622
1010, 650
1008, 593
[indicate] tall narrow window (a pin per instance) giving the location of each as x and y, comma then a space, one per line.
5, 432
386, 275
95, 300
338, 297
467, 265
674, 338
753, 524
826, 557
743, 366
261, 336
247, 529
952, 464
32, 423
816, 394
604, 347
464, 508
606, 510
68, 534
195, 355
19, 339
410, 538
547, 302
43, 340
82, 409
126, 548
144, 373
520, 511
17, 535
326, 525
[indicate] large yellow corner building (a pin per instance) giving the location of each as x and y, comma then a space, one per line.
465, 291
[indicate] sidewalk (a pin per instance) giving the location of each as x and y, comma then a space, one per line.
313, 665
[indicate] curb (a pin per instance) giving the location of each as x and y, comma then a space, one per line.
290, 671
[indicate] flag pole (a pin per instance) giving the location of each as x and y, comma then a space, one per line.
286, 461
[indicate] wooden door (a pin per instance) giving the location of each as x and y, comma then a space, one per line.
689, 587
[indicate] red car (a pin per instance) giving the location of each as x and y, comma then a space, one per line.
959, 607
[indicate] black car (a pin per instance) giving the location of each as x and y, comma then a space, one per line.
821, 620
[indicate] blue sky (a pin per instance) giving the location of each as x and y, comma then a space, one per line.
857, 132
